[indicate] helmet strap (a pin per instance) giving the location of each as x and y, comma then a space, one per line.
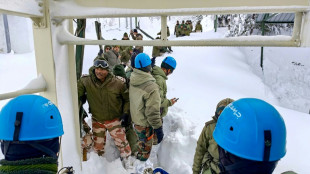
6, 145
267, 145
43, 149
18, 121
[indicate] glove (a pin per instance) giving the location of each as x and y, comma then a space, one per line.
125, 120
153, 61
160, 134
100, 52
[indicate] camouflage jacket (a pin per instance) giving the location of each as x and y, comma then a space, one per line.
144, 100
107, 100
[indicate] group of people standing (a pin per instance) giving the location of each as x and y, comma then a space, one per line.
130, 106
185, 28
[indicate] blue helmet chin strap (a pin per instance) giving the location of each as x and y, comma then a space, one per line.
18, 123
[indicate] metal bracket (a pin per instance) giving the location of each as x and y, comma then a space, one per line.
41, 22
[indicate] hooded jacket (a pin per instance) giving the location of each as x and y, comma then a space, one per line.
206, 157
161, 78
144, 100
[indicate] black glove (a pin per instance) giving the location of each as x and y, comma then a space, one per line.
153, 61
125, 120
100, 52
160, 134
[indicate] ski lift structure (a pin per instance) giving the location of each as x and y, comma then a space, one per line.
55, 43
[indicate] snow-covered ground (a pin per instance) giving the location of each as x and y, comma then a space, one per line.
204, 76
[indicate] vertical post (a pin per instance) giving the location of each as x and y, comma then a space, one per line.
215, 23
261, 57
262, 48
136, 22
297, 27
126, 22
130, 23
42, 37
163, 28
7, 33
119, 24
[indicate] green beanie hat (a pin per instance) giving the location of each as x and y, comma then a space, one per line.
119, 70
125, 35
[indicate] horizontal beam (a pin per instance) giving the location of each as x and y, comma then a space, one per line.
24, 8
20, 92
278, 41
58, 12
173, 4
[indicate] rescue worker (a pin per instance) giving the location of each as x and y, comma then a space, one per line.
113, 56
206, 157
145, 106
125, 37
198, 27
30, 131
108, 101
251, 137
161, 74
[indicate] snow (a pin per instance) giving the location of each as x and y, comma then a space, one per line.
204, 76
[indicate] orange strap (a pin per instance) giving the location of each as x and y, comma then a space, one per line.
150, 137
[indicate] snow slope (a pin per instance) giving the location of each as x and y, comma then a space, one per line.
204, 76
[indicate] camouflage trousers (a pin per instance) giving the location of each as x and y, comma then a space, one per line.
145, 141
98, 138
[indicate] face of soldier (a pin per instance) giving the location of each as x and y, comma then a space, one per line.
116, 49
101, 73
107, 49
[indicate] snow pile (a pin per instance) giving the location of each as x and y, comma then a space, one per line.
286, 73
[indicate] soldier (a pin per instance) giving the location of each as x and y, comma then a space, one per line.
125, 37
139, 37
198, 27
161, 74
108, 101
176, 28
168, 32
159, 50
206, 157
126, 55
251, 137
30, 131
113, 56
134, 34
145, 106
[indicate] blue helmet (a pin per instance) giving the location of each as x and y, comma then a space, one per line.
30, 117
252, 129
142, 60
170, 61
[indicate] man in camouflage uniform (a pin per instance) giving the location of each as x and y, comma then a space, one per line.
125, 37
140, 48
133, 34
176, 28
198, 27
113, 56
126, 55
108, 101
168, 32
145, 106
206, 157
